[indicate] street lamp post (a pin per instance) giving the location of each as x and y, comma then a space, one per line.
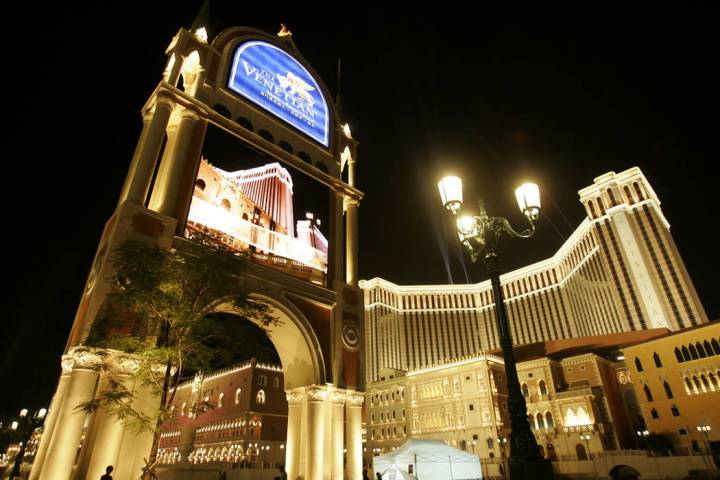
705, 430
480, 234
26, 425
643, 434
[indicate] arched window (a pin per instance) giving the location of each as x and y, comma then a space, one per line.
542, 387
713, 381
648, 395
638, 365
182, 409
700, 349
715, 346
226, 204
678, 355
696, 382
654, 414
238, 392
688, 386
540, 420
260, 399
656, 358
525, 390
686, 354
276, 382
675, 411
628, 195
705, 383
531, 421
668, 391
200, 183
708, 348
693, 352
220, 400
580, 451
549, 420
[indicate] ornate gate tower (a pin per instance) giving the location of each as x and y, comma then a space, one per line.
256, 88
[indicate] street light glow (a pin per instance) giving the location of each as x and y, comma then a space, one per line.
451, 193
528, 198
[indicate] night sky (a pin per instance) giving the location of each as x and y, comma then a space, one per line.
497, 95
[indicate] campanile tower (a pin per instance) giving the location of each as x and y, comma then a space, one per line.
256, 88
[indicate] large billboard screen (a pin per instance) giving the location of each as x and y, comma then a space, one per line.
249, 202
272, 79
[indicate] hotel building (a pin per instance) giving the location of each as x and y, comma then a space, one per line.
676, 379
233, 417
620, 271
571, 387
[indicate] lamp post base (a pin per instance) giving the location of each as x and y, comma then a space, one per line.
531, 468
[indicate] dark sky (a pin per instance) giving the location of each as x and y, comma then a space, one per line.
496, 94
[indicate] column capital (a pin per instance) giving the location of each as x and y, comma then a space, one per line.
316, 393
189, 113
355, 399
85, 358
338, 396
66, 363
164, 100
293, 398
350, 202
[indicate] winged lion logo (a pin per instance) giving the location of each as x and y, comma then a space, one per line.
297, 86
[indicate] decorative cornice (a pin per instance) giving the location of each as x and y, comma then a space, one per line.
85, 358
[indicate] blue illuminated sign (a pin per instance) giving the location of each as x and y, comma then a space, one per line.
269, 77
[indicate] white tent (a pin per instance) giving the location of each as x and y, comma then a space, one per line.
427, 460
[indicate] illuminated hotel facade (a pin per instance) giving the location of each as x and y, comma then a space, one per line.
619, 271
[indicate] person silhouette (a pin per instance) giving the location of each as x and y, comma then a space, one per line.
108, 471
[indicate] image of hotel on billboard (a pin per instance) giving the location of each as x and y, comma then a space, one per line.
252, 211
435, 370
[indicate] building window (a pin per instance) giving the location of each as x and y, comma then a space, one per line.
262, 380
675, 411
678, 355
260, 399
276, 382
668, 391
549, 420
200, 183
648, 394
656, 357
525, 390
654, 414
542, 387
238, 392
472, 407
638, 365
220, 400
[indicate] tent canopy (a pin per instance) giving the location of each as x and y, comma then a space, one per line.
428, 456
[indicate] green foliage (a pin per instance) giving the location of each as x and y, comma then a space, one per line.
161, 311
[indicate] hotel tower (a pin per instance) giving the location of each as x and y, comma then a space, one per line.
619, 271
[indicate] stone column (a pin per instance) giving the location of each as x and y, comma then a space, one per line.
315, 437
69, 429
353, 431
338, 441
351, 243
292, 446
146, 153
52, 416
109, 429
169, 177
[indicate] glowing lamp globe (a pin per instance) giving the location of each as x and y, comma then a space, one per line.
528, 198
466, 225
451, 193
